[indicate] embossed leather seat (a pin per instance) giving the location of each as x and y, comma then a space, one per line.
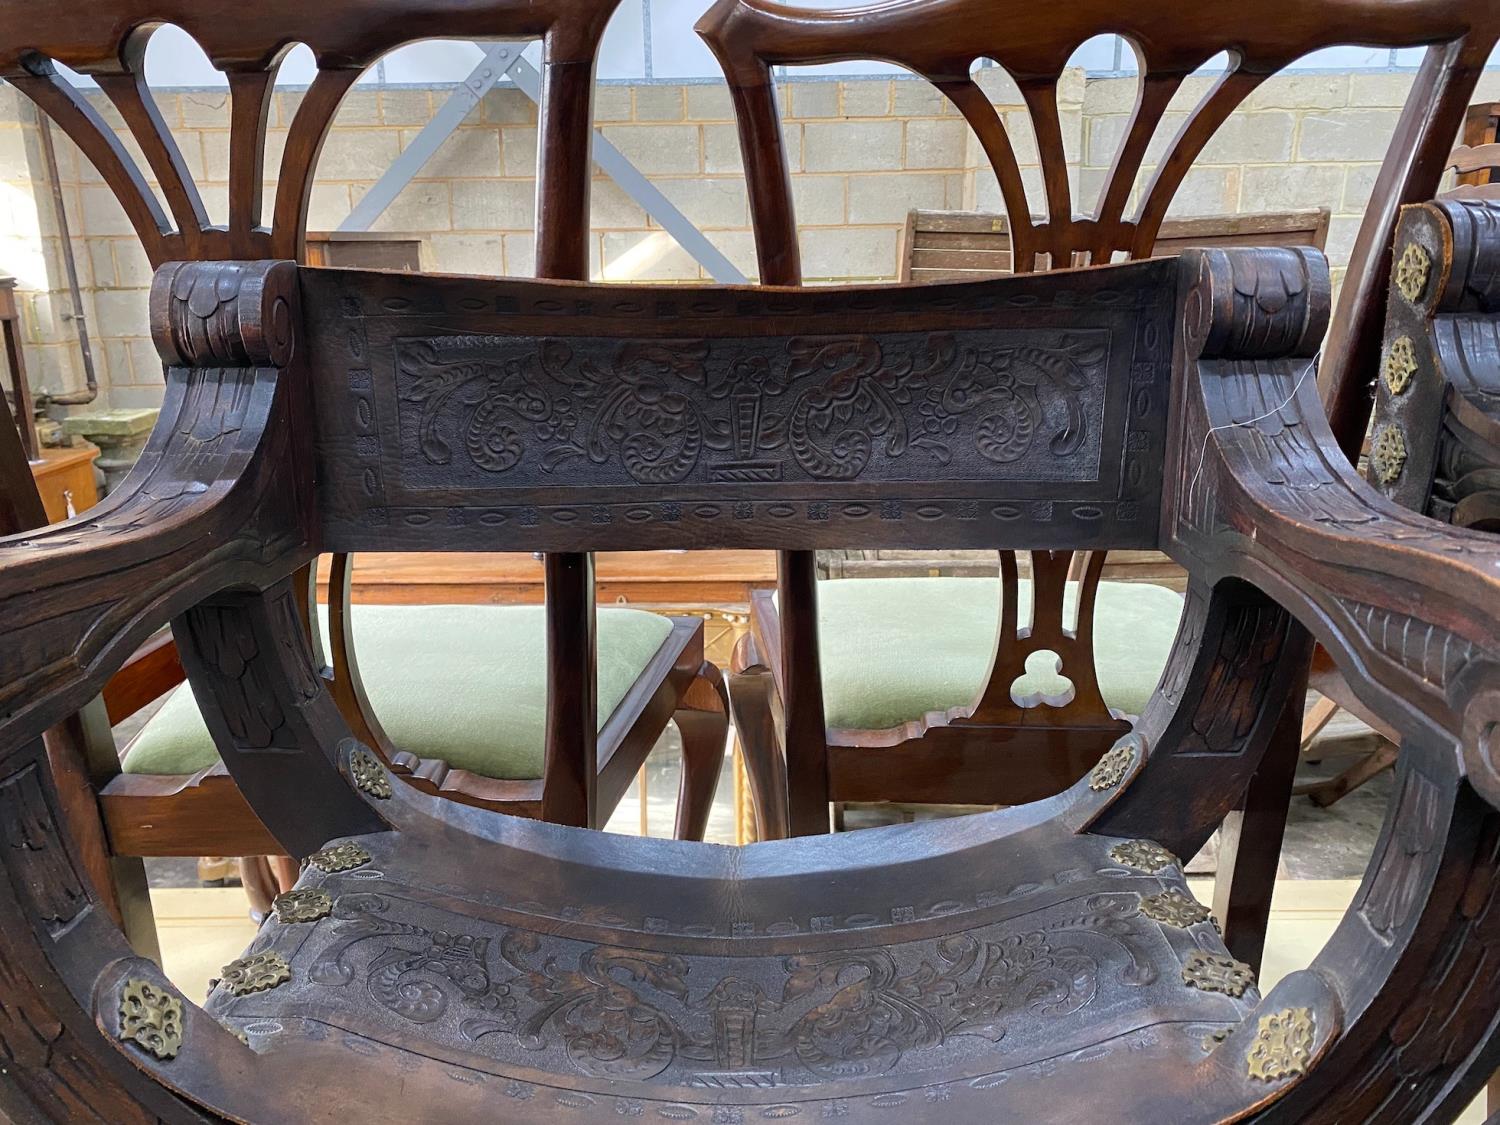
552, 983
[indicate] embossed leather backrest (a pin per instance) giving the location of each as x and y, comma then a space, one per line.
457, 414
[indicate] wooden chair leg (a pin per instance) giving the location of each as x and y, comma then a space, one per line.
1325, 793
703, 721
264, 877
1318, 716
643, 795
285, 868
82, 755
750, 688
259, 883
1250, 842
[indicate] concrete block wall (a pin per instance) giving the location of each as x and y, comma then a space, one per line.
862, 152
30, 250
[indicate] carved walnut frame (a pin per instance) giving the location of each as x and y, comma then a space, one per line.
232, 499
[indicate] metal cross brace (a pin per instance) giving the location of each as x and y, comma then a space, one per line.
500, 60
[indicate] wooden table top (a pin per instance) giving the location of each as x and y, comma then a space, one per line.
676, 579
60, 460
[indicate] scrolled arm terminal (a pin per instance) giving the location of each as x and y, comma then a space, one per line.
225, 314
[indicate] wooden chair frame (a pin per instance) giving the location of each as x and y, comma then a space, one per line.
205, 814
1251, 319
636, 966
968, 245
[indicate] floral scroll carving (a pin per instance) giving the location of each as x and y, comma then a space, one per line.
738, 411
632, 1014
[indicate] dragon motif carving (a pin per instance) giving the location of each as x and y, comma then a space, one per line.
824, 406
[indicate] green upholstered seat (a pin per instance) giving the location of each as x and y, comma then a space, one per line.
463, 683
895, 648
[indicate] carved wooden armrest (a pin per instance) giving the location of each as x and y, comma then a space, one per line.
220, 498
1407, 605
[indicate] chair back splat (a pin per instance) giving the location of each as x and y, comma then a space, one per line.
448, 963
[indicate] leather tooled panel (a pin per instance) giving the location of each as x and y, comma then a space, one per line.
473, 415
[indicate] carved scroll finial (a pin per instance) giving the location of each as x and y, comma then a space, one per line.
225, 314
1257, 302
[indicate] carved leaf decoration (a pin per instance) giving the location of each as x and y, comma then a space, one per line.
492, 443
1271, 287
682, 358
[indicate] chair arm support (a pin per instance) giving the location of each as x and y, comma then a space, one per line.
1406, 605
221, 497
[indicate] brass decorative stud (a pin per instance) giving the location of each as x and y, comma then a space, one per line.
151, 1018
305, 904
258, 973
369, 775
1412, 271
1173, 908
1109, 769
340, 857
1143, 855
1388, 454
1400, 364
1283, 1045
1212, 973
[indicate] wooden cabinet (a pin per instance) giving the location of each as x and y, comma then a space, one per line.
65, 478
